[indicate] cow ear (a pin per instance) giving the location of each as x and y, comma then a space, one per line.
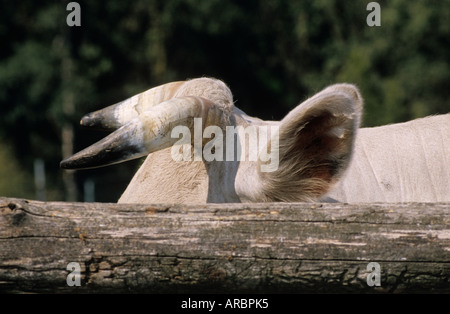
315, 145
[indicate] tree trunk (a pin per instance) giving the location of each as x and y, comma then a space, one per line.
247, 248
68, 108
67, 132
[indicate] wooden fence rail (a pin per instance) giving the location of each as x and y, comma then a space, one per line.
223, 248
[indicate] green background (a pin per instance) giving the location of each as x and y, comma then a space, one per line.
272, 54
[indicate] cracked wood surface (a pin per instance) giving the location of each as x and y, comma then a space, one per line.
269, 248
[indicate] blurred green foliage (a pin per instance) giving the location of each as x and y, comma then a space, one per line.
14, 180
273, 54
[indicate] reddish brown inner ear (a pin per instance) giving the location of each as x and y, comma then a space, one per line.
316, 143
311, 156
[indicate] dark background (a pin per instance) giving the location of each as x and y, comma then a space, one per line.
272, 54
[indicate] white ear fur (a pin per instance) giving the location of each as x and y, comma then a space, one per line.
315, 145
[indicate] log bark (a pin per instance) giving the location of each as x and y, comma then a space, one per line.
223, 248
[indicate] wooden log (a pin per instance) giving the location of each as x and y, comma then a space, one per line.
223, 248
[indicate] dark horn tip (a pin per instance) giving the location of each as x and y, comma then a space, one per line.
98, 122
87, 121
65, 164
73, 162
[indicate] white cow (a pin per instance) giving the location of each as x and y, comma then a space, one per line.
404, 162
313, 146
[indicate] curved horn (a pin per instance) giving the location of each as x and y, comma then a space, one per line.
117, 115
147, 133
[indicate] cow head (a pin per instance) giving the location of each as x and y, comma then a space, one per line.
312, 144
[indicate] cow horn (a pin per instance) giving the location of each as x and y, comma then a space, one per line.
147, 133
115, 116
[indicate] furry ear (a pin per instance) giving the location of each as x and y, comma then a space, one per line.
315, 145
